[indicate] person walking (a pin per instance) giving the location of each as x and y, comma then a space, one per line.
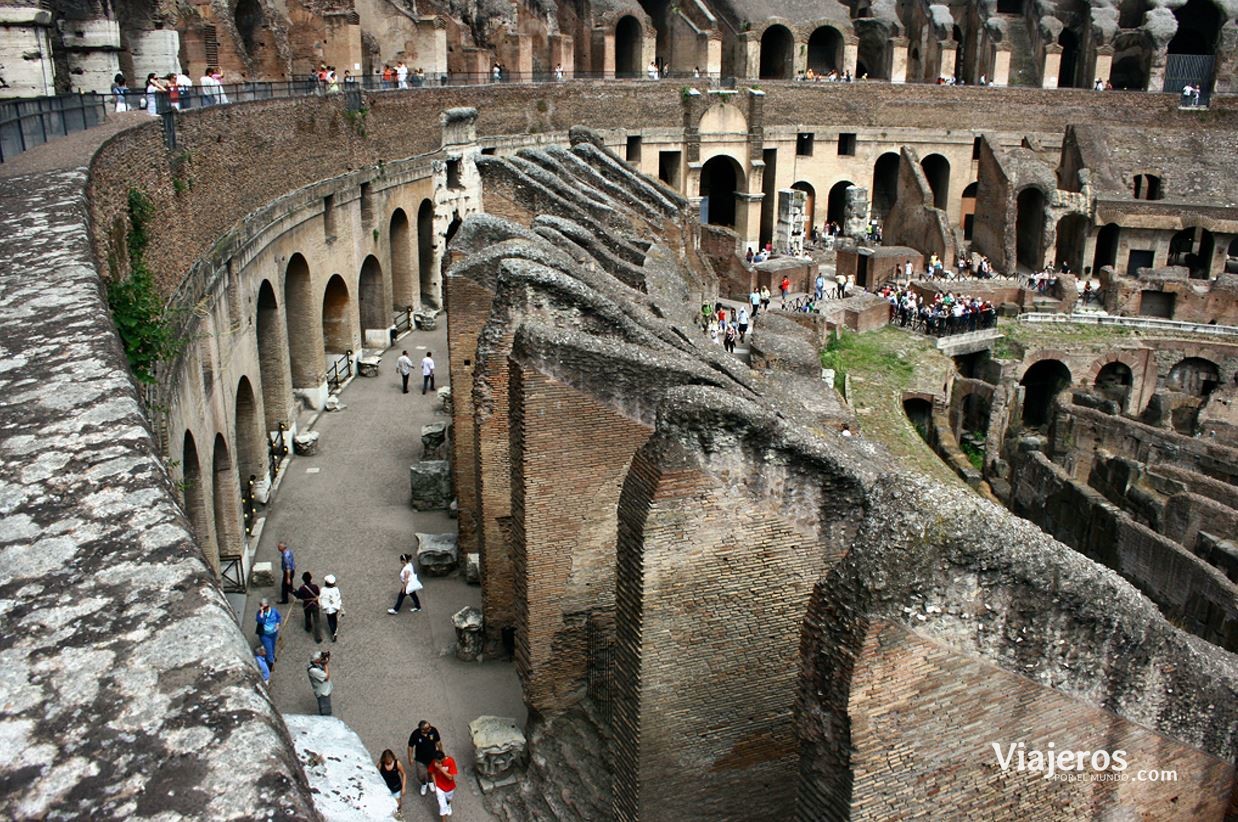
444, 771
754, 299
409, 586
332, 605
319, 670
266, 625
423, 743
308, 594
404, 366
394, 775
427, 372
260, 660
743, 323
728, 339
288, 567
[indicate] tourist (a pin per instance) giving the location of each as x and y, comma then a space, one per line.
119, 90
754, 299
846, 432
332, 605
260, 659
496, 73
423, 743
184, 86
818, 287
404, 367
288, 567
427, 372
743, 323
401, 74
209, 86
748, 257
409, 586
444, 771
729, 337
558, 72
712, 329
651, 71
266, 625
388, 76
319, 670
785, 286
308, 594
154, 87
765, 297
393, 774
419, 77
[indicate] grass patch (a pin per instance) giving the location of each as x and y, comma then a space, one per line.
864, 354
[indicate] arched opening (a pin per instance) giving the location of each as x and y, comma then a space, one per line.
337, 336
370, 302
1131, 62
825, 50
1009, 6
920, 412
1199, 26
251, 445
1106, 248
1029, 228
249, 22
226, 500
974, 420
810, 205
1195, 376
873, 55
777, 53
720, 180
194, 489
885, 183
1147, 187
1072, 233
1131, 13
937, 172
425, 252
403, 286
836, 207
967, 211
629, 37
660, 15
1193, 247
271, 370
1068, 68
304, 334
452, 228
1041, 383
1113, 382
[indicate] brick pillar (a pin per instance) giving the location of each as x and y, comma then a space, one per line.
748, 46
468, 306
1052, 67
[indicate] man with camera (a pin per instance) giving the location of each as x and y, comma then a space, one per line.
320, 680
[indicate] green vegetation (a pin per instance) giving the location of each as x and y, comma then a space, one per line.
865, 353
136, 308
356, 119
974, 455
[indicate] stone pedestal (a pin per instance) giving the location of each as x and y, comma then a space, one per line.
500, 750
855, 212
472, 568
306, 445
437, 554
468, 624
433, 438
368, 366
444, 399
262, 575
426, 319
430, 484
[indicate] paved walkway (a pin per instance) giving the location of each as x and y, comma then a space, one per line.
345, 511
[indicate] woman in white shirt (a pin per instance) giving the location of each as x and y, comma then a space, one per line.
331, 603
409, 586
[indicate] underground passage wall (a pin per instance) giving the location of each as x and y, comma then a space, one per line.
242, 187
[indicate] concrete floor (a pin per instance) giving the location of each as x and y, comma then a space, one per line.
345, 511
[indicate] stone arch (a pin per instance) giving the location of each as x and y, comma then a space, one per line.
723, 118
810, 205
1147, 187
1132, 62
836, 204
919, 411
1072, 233
251, 443
885, 183
403, 284
967, 209
371, 305
777, 53
1193, 248
937, 172
1070, 69
1042, 381
825, 50
1030, 228
722, 178
1199, 28
629, 40
425, 252
1195, 376
272, 359
337, 332
304, 332
193, 488
873, 56
226, 502
1113, 381
1106, 253
249, 21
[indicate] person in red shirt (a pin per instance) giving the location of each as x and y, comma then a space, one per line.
444, 772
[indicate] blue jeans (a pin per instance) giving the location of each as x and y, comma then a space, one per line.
268, 644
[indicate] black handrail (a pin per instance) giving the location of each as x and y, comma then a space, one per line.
339, 371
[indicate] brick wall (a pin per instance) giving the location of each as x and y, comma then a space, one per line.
468, 305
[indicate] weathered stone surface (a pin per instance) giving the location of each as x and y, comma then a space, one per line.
262, 575
306, 445
469, 641
426, 319
430, 484
444, 399
499, 748
368, 366
342, 775
437, 554
472, 568
433, 438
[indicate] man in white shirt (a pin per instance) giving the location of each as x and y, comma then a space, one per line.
427, 372
401, 74
404, 366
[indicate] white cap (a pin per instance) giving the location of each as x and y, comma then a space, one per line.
329, 579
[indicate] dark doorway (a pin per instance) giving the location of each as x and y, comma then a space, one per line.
769, 188
271, 370
403, 285
251, 441
194, 488
885, 183
425, 252
337, 333
969, 210
1193, 248
937, 172
629, 37
1068, 69
304, 342
373, 308
836, 207
1199, 26
1030, 228
1139, 258
873, 57
249, 21
720, 179
920, 413
1072, 233
825, 50
1042, 382
1113, 382
1106, 248
777, 53
1156, 304
1195, 376
810, 206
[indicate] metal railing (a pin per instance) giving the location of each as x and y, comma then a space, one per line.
31, 122
402, 320
248, 505
340, 370
277, 449
232, 573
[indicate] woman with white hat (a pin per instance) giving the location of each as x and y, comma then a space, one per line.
332, 604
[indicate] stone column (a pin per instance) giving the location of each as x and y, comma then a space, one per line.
898, 68
1156, 71
949, 60
1001, 66
604, 48
711, 60
649, 51
1104, 63
749, 48
851, 54
748, 216
1052, 67
563, 53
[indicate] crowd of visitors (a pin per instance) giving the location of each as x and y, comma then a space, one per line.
946, 313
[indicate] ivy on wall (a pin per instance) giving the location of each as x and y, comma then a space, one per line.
136, 307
